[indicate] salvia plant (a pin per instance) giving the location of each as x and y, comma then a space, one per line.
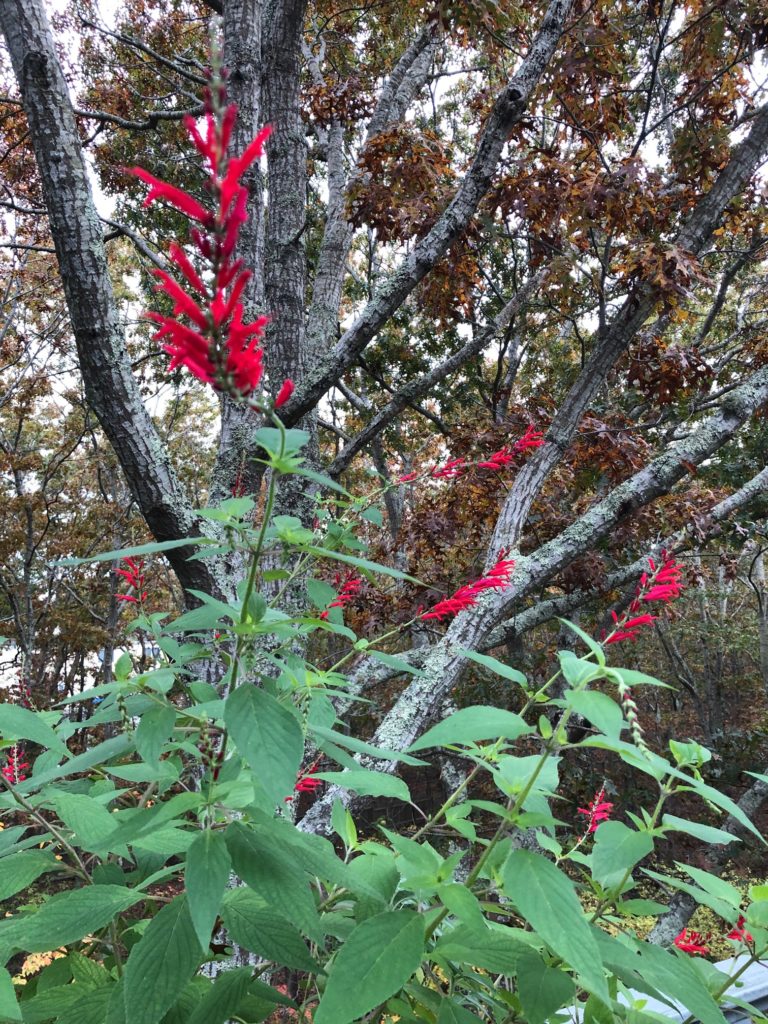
185, 893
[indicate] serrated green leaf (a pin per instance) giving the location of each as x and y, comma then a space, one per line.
706, 833
547, 899
69, 916
398, 664
268, 736
360, 563
368, 783
90, 1007
90, 821
377, 959
598, 708
206, 875
161, 963
360, 747
617, 850
499, 667
279, 880
494, 948
224, 998
451, 1013
469, 725
20, 723
593, 645
153, 731
542, 989
21, 869
9, 1008
255, 926
135, 552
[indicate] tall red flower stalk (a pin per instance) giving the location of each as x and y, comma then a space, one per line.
207, 331
133, 575
497, 578
692, 942
346, 594
597, 811
662, 583
532, 438
14, 769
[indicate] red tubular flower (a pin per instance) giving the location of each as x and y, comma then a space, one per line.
408, 478
452, 469
664, 584
739, 932
531, 439
692, 942
306, 783
134, 577
598, 811
217, 345
285, 392
14, 770
347, 593
498, 578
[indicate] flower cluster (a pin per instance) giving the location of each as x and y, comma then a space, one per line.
597, 811
497, 578
14, 769
307, 783
213, 340
692, 942
348, 591
695, 943
739, 932
532, 438
662, 584
133, 574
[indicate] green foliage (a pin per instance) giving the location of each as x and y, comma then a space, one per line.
196, 791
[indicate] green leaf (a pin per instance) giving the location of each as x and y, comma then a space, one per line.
368, 783
20, 869
360, 747
598, 708
721, 908
452, 1013
320, 593
360, 563
69, 916
255, 926
706, 833
153, 730
268, 736
206, 617
20, 723
224, 999
578, 671
9, 1008
90, 821
90, 1008
161, 963
101, 754
271, 440
675, 976
715, 886
617, 850
471, 724
279, 880
724, 802
494, 949
547, 899
463, 904
320, 478
542, 989
499, 667
377, 959
205, 878
632, 677
142, 549
595, 647
398, 664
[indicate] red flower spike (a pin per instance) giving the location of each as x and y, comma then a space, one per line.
452, 469
692, 942
598, 811
408, 478
498, 578
739, 932
183, 201
531, 439
285, 392
347, 593
216, 345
